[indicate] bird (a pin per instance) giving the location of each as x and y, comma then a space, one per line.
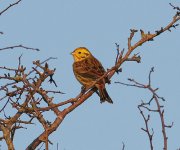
87, 70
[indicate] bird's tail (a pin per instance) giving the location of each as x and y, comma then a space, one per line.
104, 96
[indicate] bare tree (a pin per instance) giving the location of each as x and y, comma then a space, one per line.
24, 91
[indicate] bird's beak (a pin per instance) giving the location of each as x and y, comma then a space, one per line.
72, 53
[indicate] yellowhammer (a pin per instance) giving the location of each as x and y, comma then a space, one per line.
87, 69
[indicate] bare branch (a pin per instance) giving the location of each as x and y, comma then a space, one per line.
48, 91
46, 60
146, 120
177, 8
19, 46
159, 109
118, 52
11, 5
123, 148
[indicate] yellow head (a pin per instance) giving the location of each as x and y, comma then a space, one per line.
80, 53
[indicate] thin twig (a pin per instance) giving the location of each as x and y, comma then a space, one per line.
46, 60
123, 148
59, 92
117, 56
177, 8
19, 46
159, 109
11, 5
146, 120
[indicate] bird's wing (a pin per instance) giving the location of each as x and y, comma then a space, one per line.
89, 68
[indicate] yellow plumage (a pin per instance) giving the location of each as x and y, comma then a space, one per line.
87, 69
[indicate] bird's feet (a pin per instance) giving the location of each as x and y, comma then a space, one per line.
83, 89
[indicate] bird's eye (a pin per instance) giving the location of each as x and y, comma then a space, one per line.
79, 52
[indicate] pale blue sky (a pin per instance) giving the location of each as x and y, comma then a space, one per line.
57, 27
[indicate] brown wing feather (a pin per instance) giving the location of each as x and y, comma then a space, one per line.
89, 68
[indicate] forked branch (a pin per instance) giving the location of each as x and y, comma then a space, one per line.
146, 106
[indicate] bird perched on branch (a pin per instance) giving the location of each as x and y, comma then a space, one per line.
88, 71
